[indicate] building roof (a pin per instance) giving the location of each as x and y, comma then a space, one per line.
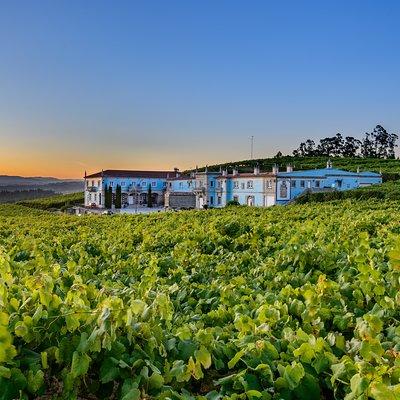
180, 178
324, 172
247, 175
122, 173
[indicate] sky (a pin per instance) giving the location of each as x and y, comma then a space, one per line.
86, 85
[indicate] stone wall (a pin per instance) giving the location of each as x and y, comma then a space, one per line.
181, 200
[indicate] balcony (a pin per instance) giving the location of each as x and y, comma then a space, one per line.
92, 189
199, 190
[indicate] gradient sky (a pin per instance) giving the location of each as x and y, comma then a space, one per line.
158, 84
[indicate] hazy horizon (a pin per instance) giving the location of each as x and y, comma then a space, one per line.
130, 85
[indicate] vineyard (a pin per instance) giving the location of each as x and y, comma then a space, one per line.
385, 191
54, 202
296, 302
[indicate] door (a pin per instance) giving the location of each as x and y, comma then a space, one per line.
250, 201
201, 202
270, 200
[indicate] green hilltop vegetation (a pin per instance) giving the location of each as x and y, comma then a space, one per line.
388, 190
390, 168
295, 302
56, 202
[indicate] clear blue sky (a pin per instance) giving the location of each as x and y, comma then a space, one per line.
158, 84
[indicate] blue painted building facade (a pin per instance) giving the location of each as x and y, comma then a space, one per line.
291, 184
216, 189
134, 186
262, 189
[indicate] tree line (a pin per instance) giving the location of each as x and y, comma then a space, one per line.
376, 144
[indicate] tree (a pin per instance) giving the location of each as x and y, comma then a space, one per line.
118, 197
368, 146
331, 146
384, 142
377, 144
306, 149
149, 198
350, 147
108, 197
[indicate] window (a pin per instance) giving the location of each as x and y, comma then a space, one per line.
164, 184
100, 199
293, 183
111, 184
189, 183
235, 184
283, 192
249, 184
122, 183
211, 200
212, 183
219, 200
153, 184
219, 184
269, 184
98, 183
87, 184
95, 197
236, 198
317, 184
170, 184
242, 185
92, 183
144, 183
302, 184
180, 185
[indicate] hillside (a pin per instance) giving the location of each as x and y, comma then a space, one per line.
386, 191
54, 202
390, 168
296, 302
20, 183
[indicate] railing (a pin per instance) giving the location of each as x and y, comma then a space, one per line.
92, 189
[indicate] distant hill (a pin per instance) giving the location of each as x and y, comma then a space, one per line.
390, 168
17, 183
31, 180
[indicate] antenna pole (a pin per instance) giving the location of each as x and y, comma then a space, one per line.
251, 147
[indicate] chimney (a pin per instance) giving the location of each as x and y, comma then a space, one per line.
206, 169
329, 164
256, 170
275, 169
224, 172
176, 170
234, 171
289, 168
358, 170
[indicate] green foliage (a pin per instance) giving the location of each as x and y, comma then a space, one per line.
233, 203
388, 190
118, 197
295, 302
54, 202
149, 198
108, 197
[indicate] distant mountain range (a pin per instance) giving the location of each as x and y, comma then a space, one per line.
16, 183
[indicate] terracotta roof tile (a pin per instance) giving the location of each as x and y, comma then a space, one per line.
121, 173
